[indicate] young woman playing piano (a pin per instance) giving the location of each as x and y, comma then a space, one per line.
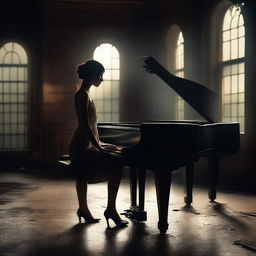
92, 160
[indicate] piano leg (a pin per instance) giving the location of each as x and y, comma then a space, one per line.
133, 186
163, 184
141, 178
188, 198
214, 165
137, 212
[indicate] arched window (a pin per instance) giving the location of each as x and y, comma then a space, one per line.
179, 71
14, 98
233, 66
106, 96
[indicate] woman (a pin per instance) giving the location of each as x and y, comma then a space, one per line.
91, 160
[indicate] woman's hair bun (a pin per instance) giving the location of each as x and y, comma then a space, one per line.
91, 67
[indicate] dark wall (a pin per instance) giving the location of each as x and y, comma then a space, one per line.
22, 22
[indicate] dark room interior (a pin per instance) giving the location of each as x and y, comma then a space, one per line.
178, 93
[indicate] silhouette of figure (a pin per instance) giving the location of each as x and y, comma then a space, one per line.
91, 160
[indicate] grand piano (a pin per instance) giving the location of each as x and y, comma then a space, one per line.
164, 146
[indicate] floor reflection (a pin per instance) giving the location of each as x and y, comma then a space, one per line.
37, 218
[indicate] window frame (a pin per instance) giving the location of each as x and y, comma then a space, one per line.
228, 63
113, 103
25, 81
180, 72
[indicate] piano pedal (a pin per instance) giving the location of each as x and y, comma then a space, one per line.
126, 211
135, 214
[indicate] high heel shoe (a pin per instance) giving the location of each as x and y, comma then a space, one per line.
119, 222
88, 219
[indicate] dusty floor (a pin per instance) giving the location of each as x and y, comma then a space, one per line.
37, 217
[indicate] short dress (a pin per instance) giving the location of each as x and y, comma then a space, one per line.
87, 162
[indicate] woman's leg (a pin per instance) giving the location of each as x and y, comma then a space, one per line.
81, 189
113, 186
111, 212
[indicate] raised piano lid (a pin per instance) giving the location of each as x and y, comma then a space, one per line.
203, 100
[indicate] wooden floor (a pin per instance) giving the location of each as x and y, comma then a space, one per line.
37, 217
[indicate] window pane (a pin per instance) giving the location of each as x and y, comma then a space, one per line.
14, 117
107, 117
22, 129
227, 110
114, 52
6, 87
14, 141
227, 21
115, 63
226, 36
234, 22
14, 74
107, 106
21, 141
234, 110
6, 119
115, 74
241, 83
226, 70
6, 74
234, 49
21, 98
115, 117
13, 88
14, 129
241, 47
7, 128
241, 97
107, 74
7, 141
15, 59
21, 53
115, 106
22, 74
7, 58
241, 68
227, 99
234, 98
234, 84
234, 69
22, 88
115, 89
99, 106
226, 85
241, 31
100, 117
99, 91
241, 121
7, 108
107, 90
21, 118
226, 51
241, 109
234, 33
234, 119
6, 98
